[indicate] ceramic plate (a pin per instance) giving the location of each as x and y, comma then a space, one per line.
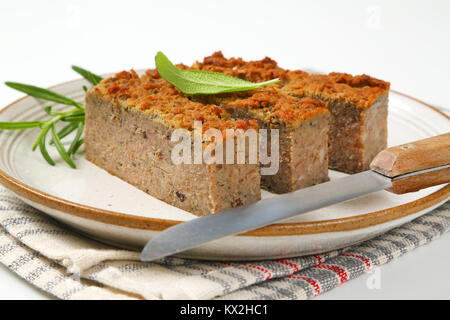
108, 209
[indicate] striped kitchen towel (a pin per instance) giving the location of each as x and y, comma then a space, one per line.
69, 266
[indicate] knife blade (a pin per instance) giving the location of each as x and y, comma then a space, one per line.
387, 172
187, 235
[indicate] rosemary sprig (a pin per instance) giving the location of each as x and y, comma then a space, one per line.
19, 125
89, 76
74, 145
44, 94
75, 118
43, 148
62, 151
78, 145
65, 131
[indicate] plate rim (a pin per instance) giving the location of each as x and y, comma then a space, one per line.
280, 229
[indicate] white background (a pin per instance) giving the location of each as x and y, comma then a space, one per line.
404, 42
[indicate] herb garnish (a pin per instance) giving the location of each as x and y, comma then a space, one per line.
202, 82
74, 117
188, 81
89, 76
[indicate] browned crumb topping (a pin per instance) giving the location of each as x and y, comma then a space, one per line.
153, 95
267, 103
272, 106
255, 71
279, 103
359, 90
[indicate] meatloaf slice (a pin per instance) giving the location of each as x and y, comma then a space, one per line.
302, 126
129, 123
303, 136
358, 122
358, 105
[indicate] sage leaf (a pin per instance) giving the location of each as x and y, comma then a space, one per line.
202, 82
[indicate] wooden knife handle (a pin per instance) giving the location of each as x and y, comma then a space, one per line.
415, 156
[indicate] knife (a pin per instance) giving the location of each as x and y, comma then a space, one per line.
401, 169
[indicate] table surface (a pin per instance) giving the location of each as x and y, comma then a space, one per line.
402, 42
420, 274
